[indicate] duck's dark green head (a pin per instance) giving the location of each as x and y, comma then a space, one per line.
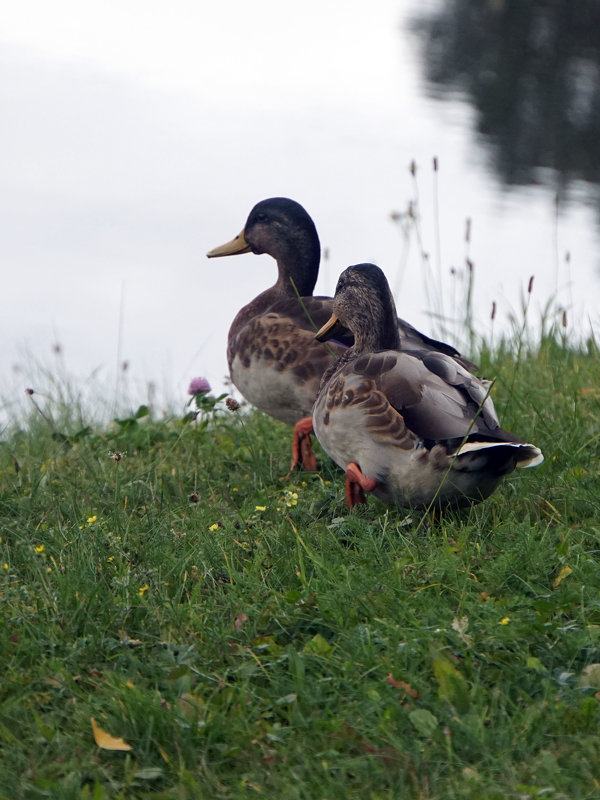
283, 229
274, 222
363, 303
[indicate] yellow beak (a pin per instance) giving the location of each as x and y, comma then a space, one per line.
232, 248
322, 334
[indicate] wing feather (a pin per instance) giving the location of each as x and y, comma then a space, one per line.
436, 397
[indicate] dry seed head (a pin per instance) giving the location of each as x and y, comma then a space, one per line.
413, 168
530, 287
232, 404
493, 314
435, 164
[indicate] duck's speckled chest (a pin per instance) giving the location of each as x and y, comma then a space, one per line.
277, 366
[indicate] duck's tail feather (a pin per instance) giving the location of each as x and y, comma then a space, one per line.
526, 455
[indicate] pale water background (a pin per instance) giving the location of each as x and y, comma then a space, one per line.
136, 135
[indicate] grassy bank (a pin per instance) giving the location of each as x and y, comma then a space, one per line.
245, 636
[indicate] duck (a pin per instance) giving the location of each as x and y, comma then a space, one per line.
415, 429
273, 357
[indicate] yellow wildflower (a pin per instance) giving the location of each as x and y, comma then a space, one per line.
504, 621
39, 548
5, 566
143, 589
214, 527
261, 508
291, 499
91, 520
48, 569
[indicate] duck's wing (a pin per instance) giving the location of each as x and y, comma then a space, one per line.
436, 397
357, 395
412, 339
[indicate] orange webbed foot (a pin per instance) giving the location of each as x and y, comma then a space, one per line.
357, 484
302, 452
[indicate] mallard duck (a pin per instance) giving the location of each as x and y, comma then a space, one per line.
274, 359
414, 429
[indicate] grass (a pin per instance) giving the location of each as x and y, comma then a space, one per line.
246, 636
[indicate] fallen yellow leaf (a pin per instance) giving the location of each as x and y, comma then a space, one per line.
107, 742
163, 754
561, 576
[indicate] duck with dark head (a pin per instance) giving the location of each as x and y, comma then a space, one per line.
416, 429
274, 359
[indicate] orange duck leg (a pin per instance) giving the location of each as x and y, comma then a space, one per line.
357, 484
302, 452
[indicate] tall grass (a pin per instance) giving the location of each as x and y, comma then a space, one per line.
450, 295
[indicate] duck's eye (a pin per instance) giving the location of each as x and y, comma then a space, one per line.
260, 217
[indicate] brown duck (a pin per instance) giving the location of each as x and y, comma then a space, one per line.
414, 428
274, 359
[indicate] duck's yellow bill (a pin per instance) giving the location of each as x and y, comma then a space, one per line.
232, 248
323, 333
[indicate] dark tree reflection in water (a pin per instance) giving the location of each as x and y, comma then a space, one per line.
531, 70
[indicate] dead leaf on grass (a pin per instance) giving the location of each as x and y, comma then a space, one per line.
590, 676
402, 685
460, 626
240, 621
105, 741
564, 572
191, 705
